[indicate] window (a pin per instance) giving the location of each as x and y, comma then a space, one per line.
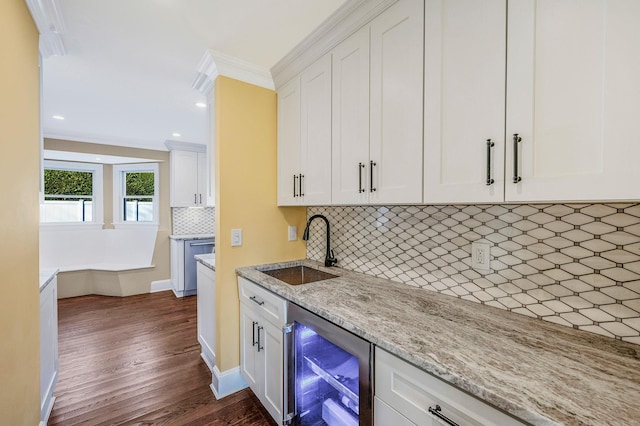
135, 188
72, 193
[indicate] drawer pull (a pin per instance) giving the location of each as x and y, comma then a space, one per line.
255, 299
437, 412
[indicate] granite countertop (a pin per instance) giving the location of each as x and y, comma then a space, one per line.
208, 260
542, 373
46, 276
191, 237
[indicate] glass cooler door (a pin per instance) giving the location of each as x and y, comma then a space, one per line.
331, 371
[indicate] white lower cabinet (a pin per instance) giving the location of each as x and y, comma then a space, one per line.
207, 314
406, 395
48, 346
262, 315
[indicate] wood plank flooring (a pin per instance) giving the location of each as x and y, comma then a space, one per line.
136, 361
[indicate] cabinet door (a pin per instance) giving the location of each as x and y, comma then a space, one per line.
203, 178
271, 340
207, 313
573, 96
386, 415
396, 103
465, 48
184, 178
288, 142
315, 126
48, 344
350, 120
250, 359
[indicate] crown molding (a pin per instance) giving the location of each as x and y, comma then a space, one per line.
348, 19
184, 146
48, 18
213, 64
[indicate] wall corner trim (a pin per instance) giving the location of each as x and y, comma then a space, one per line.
227, 382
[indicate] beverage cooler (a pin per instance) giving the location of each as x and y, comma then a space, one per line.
327, 373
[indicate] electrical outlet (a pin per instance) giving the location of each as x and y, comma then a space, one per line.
293, 233
236, 237
480, 259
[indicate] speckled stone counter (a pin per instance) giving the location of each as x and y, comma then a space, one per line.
46, 276
191, 237
542, 373
208, 260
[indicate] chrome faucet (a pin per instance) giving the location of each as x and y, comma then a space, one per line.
329, 259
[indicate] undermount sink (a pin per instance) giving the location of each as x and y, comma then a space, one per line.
296, 275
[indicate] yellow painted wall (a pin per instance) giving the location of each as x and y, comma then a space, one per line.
245, 145
71, 284
20, 177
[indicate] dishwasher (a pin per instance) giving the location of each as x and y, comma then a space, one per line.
192, 248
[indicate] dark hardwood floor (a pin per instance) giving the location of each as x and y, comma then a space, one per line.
136, 361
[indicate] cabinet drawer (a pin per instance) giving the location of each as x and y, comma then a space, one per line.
272, 307
412, 392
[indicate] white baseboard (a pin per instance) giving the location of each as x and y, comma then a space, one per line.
46, 412
162, 285
226, 383
207, 355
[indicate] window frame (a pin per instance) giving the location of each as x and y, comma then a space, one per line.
119, 189
96, 189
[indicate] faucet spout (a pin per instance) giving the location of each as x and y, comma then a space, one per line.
329, 259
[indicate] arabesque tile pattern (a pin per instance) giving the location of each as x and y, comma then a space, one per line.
193, 220
573, 264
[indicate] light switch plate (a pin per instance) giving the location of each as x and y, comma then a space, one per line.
236, 237
480, 258
293, 233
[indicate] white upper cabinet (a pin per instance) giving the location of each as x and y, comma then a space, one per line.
315, 129
304, 137
396, 106
350, 120
573, 97
377, 110
288, 142
570, 107
189, 175
464, 116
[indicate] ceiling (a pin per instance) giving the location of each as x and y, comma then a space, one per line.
127, 73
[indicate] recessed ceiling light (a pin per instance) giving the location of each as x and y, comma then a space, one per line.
57, 117
176, 135
201, 105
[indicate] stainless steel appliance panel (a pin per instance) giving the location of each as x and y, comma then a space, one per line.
192, 248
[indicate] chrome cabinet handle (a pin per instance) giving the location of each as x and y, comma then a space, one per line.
516, 175
360, 168
490, 144
295, 178
253, 334
260, 347
372, 164
300, 182
200, 198
255, 299
437, 412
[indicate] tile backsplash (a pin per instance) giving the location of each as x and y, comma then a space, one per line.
193, 220
573, 264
